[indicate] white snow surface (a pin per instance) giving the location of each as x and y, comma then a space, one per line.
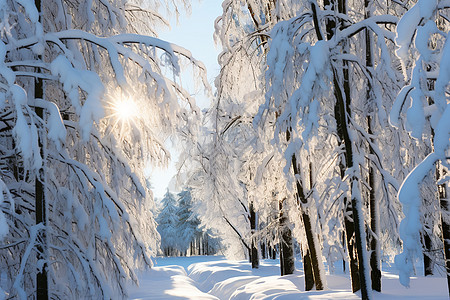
214, 277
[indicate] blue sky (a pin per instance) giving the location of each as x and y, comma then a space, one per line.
195, 33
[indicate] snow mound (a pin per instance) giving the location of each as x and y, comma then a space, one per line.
216, 278
226, 288
267, 288
207, 274
168, 282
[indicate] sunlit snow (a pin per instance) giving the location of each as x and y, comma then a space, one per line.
214, 277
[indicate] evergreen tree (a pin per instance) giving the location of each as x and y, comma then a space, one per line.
188, 223
168, 222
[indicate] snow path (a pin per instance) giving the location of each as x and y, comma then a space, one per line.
168, 279
199, 278
170, 282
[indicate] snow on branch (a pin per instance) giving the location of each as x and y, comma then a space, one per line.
428, 107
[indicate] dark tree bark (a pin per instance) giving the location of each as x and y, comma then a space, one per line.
41, 277
313, 247
427, 261
40, 205
307, 262
308, 270
339, 111
263, 247
375, 270
254, 245
343, 106
351, 248
287, 264
342, 111
272, 252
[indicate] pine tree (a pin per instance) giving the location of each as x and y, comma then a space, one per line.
168, 221
188, 223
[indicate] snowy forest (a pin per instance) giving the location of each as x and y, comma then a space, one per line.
180, 230
325, 148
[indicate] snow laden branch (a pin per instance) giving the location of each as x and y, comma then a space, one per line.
425, 100
63, 69
326, 95
119, 46
319, 55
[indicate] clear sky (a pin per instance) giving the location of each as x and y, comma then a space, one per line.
195, 33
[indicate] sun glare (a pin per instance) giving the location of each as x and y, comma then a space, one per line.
124, 113
125, 109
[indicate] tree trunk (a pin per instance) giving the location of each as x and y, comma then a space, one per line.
312, 241
342, 110
343, 259
254, 246
427, 261
443, 201
203, 245
311, 238
356, 205
357, 214
375, 272
263, 246
287, 264
40, 205
351, 248
308, 270
308, 264
274, 253
339, 111
360, 237
281, 261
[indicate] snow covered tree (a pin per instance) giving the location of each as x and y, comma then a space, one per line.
188, 223
231, 111
243, 32
225, 145
168, 225
218, 198
328, 96
81, 93
422, 37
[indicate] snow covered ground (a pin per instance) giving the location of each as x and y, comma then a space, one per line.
213, 277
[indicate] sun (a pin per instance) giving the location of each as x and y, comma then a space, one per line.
124, 113
125, 109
